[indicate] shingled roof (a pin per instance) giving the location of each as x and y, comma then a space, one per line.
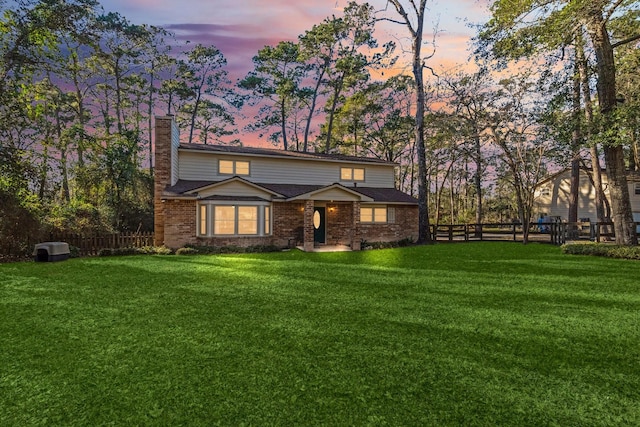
290, 191
256, 151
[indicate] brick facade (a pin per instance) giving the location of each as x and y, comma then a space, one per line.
161, 175
181, 229
288, 224
175, 218
308, 225
405, 226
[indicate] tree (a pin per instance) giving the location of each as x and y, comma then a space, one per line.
509, 35
468, 94
524, 146
349, 67
275, 79
415, 25
204, 74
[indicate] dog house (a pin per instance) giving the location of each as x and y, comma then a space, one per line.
51, 251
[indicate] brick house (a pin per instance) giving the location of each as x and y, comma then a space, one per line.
213, 195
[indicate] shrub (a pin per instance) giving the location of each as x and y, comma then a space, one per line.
211, 250
387, 245
603, 250
187, 251
146, 250
105, 252
162, 250
74, 251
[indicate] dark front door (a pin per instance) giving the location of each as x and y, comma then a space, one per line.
319, 226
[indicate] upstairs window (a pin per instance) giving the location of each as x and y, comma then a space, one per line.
637, 192
352, 174
233, 167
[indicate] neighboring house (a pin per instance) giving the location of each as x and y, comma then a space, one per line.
552, 195
210, 195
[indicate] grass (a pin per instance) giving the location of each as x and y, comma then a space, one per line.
462, 334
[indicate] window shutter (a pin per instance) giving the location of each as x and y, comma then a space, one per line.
391, 215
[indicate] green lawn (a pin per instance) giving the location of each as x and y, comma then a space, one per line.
461, 334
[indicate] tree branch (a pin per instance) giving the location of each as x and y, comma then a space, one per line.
611, 11
625, 41
392, 20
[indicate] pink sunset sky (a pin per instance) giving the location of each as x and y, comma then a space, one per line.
239, 28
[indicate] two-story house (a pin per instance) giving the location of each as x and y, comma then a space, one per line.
212, 195
553, 195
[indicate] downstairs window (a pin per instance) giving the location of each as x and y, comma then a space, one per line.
234, 220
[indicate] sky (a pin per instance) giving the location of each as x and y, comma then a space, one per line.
239, 28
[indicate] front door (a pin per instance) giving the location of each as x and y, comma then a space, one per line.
319, 226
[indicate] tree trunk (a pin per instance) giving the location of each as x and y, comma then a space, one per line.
478, 179
312, 109
334, 105
150, 119
596, 172
575, 146
283, 124
424, 236
613, 152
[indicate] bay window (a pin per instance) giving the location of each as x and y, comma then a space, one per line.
220, 219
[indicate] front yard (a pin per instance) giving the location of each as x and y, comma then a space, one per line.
461, 334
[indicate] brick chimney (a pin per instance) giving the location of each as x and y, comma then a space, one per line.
167, 140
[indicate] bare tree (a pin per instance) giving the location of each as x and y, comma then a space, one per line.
413, 17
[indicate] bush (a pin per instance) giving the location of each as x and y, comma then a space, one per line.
74, 251
161, 250
211, 250
187, 251
603, 250
145, 250
105, 252
387, 245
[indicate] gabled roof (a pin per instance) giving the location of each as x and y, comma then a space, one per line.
229, 180
270, 152
311, 194
185, 188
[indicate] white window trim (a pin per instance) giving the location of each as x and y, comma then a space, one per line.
234, 173
373, 215
353, 169
210, 212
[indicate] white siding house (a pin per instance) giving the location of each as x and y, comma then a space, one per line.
552, 195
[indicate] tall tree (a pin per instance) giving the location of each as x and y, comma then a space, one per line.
349, 69
275, 79
413, 17
513, 127
557, 23
205, 75
468, 94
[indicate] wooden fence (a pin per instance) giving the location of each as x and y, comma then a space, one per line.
556, 233
91, 245
485, 232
